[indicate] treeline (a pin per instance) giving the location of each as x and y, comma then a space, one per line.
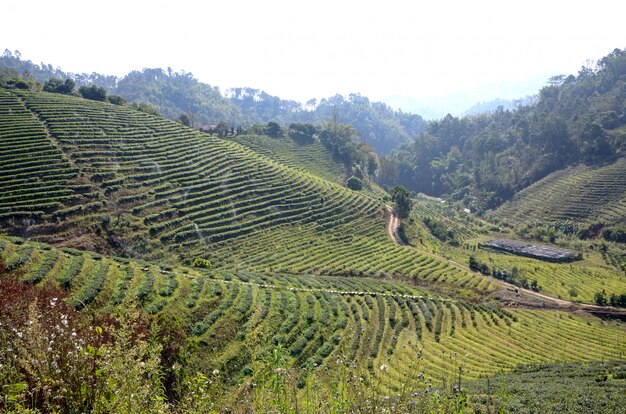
613, 299
377, 124
485, 159
11, 79
341, 140
173, 94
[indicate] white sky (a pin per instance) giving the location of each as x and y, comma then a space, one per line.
304, 49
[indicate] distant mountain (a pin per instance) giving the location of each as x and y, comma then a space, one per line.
496, 104
460, 104
174, 94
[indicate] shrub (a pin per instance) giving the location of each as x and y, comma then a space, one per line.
600, 298
55, 85
93, 92
354, 183
202, 263
116, 100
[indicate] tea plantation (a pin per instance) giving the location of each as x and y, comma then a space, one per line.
318, 319
255, 246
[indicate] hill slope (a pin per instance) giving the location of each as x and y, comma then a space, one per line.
585, 194
361, 321
484, 160
151, 187
174, 94
282, 240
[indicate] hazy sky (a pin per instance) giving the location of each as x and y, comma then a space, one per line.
304, 49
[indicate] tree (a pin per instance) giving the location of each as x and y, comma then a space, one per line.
372, 165
354, 183
302, 133
184, 119
116, 100
56, 85
144, 107
402, 198
600, 298
273, 129
93, 92
222, 129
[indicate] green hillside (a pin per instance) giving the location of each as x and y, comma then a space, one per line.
485, 160
173, 94
581, 194
151, 187
456, 234
261, 262
312, 157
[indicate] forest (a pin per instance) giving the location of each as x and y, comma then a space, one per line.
485, 159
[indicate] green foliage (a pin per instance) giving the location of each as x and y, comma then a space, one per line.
477, 266
314, 318
273, 130
202, 263
354, 183
55, 85
602, 299
184, 119
614, 234
93, 92
485, 159
338, 138
172, 93
116, 100
377, 124
402, 198
58, 361
438, 229
302, 133
552, 387
144, 107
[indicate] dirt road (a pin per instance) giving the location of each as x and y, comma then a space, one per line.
393, 224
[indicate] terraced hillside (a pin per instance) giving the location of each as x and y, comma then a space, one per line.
153, 187
319, 320
35, 175
581, 194
462, 233
114, 206
310, 156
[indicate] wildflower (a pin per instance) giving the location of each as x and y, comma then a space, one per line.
384, 368
216, 372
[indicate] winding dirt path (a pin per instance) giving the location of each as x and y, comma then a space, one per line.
393, 223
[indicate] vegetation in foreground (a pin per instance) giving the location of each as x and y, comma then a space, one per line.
243, 341
56, 359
